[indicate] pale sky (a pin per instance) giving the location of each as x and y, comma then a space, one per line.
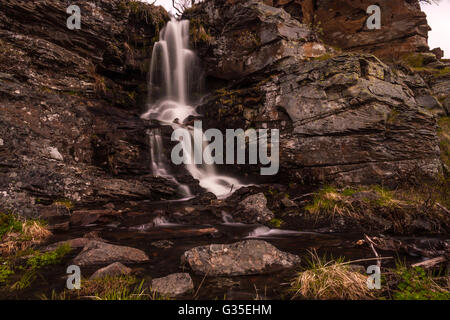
438, 18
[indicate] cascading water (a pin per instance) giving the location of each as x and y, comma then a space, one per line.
173, 75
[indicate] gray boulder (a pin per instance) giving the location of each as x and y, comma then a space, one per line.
253, 209
97, 252
237, 259
173, 285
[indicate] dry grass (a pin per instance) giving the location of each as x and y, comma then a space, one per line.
365, 204
332, 280
31, 233
109, 288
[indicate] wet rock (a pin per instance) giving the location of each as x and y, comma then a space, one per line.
162, 244
76, 243
173, 285
288, 203
63, 226
432, 104
114, 269
97, 252
240, 258
53, 211
253, 209
55, 154
86, 217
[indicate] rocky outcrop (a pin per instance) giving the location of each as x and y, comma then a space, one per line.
343, 24
69, 122
173, 285
240, 258
344, 118
236, 39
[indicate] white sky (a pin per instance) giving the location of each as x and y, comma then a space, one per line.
438, 18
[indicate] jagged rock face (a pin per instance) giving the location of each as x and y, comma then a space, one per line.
404, 28
347, 118
69, 116
238, 38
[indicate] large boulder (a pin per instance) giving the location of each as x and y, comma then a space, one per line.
240, 258
342, 23
101, 253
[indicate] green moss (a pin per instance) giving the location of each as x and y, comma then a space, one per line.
392, 116
9, 223
198, 33
276, 223
327, 199
348, 192
109, 288
5, 273
64, 203
441, 72
417, 284
385, 196
48, 258
415, 60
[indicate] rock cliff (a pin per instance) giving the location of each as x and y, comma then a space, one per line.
346, 118
404, 27
70, 102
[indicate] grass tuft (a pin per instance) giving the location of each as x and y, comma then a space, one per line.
330, 280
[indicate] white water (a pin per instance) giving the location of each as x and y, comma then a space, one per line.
172, 75
265, 232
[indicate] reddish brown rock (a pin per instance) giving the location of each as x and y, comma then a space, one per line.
342, 23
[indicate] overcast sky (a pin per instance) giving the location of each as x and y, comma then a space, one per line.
438, 19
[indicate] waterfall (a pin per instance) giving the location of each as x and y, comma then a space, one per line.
173, 77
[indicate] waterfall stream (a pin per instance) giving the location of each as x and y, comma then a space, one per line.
174, 75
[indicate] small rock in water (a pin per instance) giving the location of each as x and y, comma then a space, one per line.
54, 154
288, 203
98, 252
254, 209
114, 269
240, 258
163, 244
173, 285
